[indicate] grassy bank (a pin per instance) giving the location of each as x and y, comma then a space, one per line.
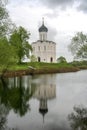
43, 68
39, 68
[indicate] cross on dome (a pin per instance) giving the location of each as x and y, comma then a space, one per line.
43, 21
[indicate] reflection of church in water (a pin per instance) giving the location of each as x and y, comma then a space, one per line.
45, 91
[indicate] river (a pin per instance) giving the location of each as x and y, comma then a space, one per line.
42, 102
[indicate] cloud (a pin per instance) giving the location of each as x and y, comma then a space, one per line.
29, 3
52, 32
52, 14
82, 6
58, 3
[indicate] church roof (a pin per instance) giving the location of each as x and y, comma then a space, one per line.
43, 111
43, 28
47, 41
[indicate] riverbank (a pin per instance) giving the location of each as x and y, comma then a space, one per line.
39, 71
43, 68
39, 68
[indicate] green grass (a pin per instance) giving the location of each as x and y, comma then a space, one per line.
43, 68
40, 65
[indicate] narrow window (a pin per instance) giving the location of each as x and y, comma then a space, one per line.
51, 59
39, 59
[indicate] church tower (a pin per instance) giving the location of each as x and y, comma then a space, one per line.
43, 49
43, 32
46, 91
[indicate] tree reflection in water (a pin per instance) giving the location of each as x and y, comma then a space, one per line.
4, 111
3, 115
78, 118
13, 97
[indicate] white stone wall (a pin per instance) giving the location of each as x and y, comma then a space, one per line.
43, 36
45, 50
45, 91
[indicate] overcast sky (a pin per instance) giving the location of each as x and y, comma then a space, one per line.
63, 18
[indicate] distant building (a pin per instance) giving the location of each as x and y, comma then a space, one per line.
43, 49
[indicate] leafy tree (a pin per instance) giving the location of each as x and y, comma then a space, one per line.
19, 40
7, 54
78, 46
5, 23
61, 59
33, 58
78, 118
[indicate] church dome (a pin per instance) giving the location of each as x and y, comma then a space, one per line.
43, 111
43, 28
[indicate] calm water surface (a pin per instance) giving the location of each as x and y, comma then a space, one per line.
42, 102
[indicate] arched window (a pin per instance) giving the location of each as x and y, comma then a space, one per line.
51, 59
39, 59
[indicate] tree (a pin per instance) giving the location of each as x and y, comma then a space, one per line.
78, 46
19, 40
5, 22
61, 59
7, 54
78, 118
33, 58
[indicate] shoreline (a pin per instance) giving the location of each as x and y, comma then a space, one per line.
39, 71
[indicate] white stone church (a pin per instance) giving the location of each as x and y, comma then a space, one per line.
43, 49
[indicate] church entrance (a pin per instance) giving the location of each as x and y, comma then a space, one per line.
39, 59
51, 59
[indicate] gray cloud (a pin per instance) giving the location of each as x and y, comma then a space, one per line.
54, 4
63, 4
49, 3
82, 5
58, 3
